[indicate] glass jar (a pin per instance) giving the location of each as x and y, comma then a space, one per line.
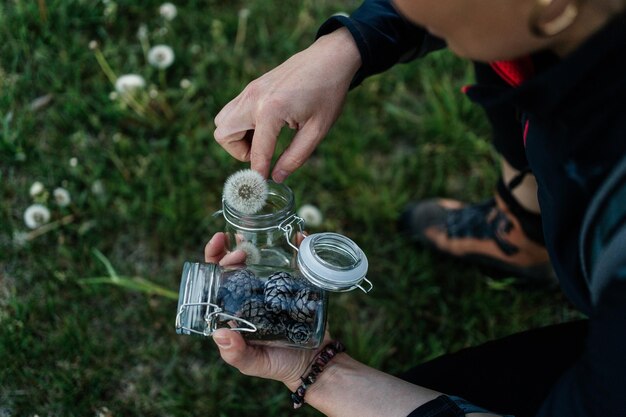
269, 236
272, 305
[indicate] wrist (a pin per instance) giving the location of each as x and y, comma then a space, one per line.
315, 369
344, 47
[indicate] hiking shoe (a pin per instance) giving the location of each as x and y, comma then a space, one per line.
486, 233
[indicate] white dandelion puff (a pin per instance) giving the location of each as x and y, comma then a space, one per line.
93, 44
253, 255
20, 238
97, 188
142, 32
73, 162
36, 215
129, 82
61, 197
311, 215
185, 83
246, 191
168, 11
161, 56
244, 13
36, 189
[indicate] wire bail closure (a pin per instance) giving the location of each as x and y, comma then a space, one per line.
213, 314
286, 226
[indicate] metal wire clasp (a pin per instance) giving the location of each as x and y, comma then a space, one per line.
287, 227
214, 315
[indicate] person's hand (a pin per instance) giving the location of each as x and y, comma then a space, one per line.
306, 92
281, 364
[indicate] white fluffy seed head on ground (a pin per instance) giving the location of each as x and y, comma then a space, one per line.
62, 197
161, 56
168, 11
36, 188
36, 215
311, 215
128, 83
246, 191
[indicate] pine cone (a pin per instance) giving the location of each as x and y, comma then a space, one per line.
299, 333
304, 306
279, 290
242, 284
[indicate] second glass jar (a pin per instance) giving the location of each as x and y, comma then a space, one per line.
267, 237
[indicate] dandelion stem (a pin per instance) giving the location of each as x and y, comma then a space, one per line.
106, 68
162, 80
49, 227
43, 10
242, 26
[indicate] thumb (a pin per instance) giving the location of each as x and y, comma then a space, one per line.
236, 352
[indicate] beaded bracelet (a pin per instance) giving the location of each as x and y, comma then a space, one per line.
317, 366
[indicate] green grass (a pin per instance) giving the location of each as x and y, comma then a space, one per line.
73, 349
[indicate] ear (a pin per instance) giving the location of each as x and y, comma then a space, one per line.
551, 17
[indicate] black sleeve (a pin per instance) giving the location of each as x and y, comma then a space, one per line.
596, 385
383, 37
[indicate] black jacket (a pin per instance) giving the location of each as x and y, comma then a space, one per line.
576, 138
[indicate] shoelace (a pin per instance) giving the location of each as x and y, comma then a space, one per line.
478, 221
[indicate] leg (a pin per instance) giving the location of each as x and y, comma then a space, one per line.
511, 375
503, 233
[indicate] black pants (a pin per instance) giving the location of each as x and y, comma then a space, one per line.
512, 375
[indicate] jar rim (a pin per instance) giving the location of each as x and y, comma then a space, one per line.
278, 194
332, 262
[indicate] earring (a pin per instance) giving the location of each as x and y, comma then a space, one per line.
554, 26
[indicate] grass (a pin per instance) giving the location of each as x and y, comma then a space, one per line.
144, 188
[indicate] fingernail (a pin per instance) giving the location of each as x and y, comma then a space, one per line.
222, 342
280, 175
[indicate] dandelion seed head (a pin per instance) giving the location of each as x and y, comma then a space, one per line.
311, 215
153, 93
93, 44
244, 13
97, 187
73, 162
36, 215
113, 95
110, 9
61, 196
161, 56
168, 11
185, 83
20, 238
246, 191
142, 32
35, 189
253, 254
128, 83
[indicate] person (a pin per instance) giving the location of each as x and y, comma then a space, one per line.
558, 66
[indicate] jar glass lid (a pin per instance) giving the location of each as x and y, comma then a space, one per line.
333, 262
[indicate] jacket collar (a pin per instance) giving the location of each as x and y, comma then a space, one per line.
586, 77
